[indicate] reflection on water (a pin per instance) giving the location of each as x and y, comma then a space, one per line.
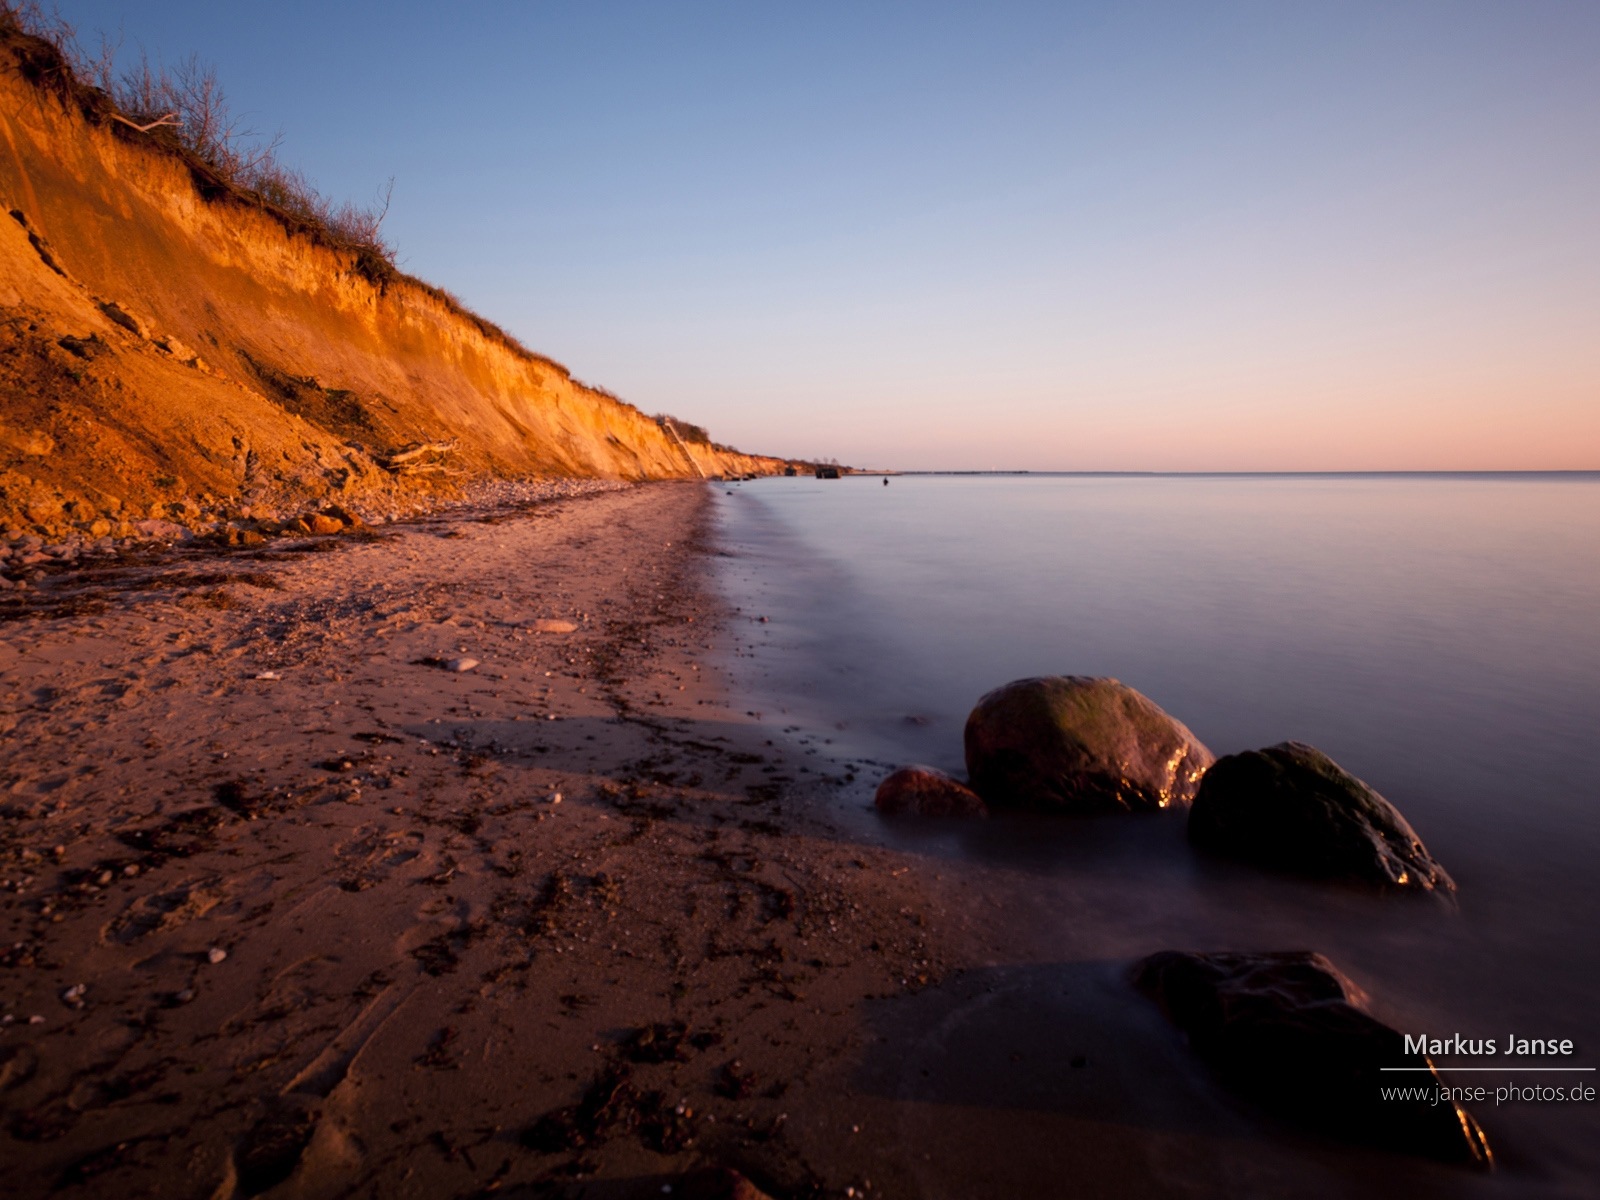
1437, 635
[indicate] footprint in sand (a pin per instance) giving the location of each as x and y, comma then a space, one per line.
371, 858
163, 910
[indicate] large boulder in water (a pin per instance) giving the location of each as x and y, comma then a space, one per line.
1288, 1029
925, 792
1292, 808
1076, 744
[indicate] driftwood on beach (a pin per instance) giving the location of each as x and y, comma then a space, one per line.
414, 459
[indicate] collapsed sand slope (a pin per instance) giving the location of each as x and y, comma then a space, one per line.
160, 348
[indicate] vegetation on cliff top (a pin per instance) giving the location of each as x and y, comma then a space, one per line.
184, 109
183, 112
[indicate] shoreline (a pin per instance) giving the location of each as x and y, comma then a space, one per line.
438, 981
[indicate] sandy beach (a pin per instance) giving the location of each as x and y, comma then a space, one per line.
295, 905
285, 900
1043, 645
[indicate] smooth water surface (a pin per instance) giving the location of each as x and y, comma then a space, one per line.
1437, 635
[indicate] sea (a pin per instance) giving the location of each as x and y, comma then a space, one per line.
1437, 634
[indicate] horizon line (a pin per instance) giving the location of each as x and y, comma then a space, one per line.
1475, 471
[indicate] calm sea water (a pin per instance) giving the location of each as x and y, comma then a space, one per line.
1438, 635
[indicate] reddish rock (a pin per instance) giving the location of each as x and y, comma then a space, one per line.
321, 523
717, 1183
925, 792
344, 516
240, 536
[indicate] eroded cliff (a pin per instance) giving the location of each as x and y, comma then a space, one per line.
170, 350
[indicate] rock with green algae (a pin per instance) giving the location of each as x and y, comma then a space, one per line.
1292, 808
1082, 745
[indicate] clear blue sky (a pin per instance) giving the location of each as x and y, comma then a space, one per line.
1028, 235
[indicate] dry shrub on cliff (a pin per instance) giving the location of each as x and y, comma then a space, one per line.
226, 160
185, 108
687, 430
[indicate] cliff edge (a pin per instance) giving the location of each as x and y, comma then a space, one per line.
170, 349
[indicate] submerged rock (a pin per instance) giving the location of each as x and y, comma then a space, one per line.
925, 792
1287, 1029
1076, 744
1293, 808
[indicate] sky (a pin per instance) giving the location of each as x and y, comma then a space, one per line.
1041, 236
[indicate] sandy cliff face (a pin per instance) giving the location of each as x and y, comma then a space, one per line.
165, 354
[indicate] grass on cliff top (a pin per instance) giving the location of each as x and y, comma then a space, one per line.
183, 112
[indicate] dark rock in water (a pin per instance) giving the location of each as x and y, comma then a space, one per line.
1287, 1029
925, 792
1076, 744
1293, 808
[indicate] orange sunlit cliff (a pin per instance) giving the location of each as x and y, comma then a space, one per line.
175, 350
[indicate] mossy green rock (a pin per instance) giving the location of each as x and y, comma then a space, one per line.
1077, 744
1292, 808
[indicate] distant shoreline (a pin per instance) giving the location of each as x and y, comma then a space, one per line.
1559, 474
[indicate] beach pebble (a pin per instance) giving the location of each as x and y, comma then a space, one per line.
268, 675
215, 955
344, 516
1289, 1030
926, 792
1292, 808
550, 625
73, 996
715, 1183
460, 664
1078, 744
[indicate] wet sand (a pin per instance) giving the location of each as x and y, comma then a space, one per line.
299, 912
